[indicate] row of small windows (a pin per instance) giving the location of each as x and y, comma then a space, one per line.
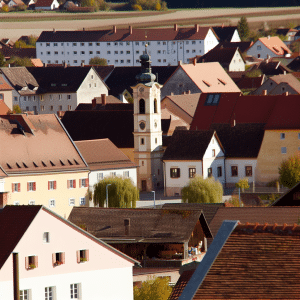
142, 109
74, 52
100, 176
282, 136
52, 202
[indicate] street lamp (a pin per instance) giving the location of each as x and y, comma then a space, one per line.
107, 194
153, 197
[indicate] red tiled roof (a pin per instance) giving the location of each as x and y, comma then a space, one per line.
43, 3
275, 44
123, 35
4, 86
4, 109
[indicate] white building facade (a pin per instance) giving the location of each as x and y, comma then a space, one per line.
123, 47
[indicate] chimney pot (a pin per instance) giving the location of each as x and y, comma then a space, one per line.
197, 27
82, 64
222, 25
94, 103
268, 37
286, 93
53, 30
265, 92
130, 29
189, 92
175, 27
179, 63
103, 99
65, 64
194, 61
114, 28
45, 65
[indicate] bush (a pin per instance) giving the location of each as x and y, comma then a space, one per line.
158, 6
201, 190
289, 171
5, 8
98, 61
242, 184
137, 7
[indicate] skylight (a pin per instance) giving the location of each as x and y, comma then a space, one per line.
212, 99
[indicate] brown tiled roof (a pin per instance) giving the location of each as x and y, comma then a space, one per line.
43, 3
258, 261
250, 82
19, 77
123, 35
290, 79
271, 215
290, 198
221, 55
270, 67
4, 86
146, 225
45, 145
103, 71
103, 154
210, 77
175, 121
295, 64
19, 52
187, 102
224, 33
11, 230
243, 46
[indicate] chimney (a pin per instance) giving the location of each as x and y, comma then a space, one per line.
286, 93
114, 28
53, 30
83, 29
284, 72
175, 27
179, 63
94, 103
188, 92
130, 29
45, 65
127, 226
82, 64
194, 61
196, 27
172, 93
264, 92
65, 64
103, 99
268, 37
233, 122
222, 25
16, 276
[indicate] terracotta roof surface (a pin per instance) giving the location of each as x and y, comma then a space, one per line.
146, 225
123, 35
12, 231
243, 46
224, 33
20, 52
99, 154
45, 145
247, 83
4, 86
221, 55
4, 109
37, 62
270, 67
255, 263
276, 45
210, 77
174, 122
43, 3
290, 79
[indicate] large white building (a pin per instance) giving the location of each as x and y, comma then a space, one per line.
123, 47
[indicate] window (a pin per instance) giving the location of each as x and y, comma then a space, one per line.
62, 44
175, 172
283, 150
126, 174
213, 152
248, 171
137, 52
69, 107
97, 52
27, 108
51, 107
209, 172
74, 44
47, 44
31, 202
282, 136
187, 51
25, 98
127, 52
108, 52
192, 172
219, 170
90, 52
50, 293
158, 43
142, 106
122, 61
82, 201
158, 51
116, 44
212, 99
116, 61
82, 52
137, 43
25, 294
46, 237
31, 186
31, 262
42, 97
15, 98
193, 42
58, 258
113, 174
234, 171
68, 97
16, 202
72, 202
108, 44
52, 203
59, 97
71, 184
164, 60
99, 176
82, 256
16, 187
159, 60
164, 43
84, 182
42, 108
187, 42
55, 52
48, 52
258, 47
128, 61
116, 52
75, 290
60, 107
142, 141
155, 140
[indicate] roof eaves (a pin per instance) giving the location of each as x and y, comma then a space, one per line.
202, 270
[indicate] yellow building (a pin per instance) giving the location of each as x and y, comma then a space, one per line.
40, 164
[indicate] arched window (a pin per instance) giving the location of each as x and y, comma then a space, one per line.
155, 106
142, 106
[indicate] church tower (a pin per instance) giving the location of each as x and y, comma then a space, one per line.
147, 128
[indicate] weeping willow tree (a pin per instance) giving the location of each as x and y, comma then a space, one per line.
121, 192
200, 190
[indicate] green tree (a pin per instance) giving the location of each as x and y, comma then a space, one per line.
243, 28
242, 184
289, 171
2, 60
98, 61
153, 289
121, 192
20, 62
200, 190
16, 109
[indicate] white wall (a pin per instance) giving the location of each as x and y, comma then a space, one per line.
259, 50
210, 42
237, 63
235, 37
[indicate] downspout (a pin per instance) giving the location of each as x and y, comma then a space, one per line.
16, 276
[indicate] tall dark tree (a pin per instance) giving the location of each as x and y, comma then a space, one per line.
243, 28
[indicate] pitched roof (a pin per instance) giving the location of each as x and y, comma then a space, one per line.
123, 35
270, 67
188, 145
122, 78
45, 145
59, 79
170, 122
276, 45
103, 154
187, 102
255, 259
243, 46
290, 198
146, 225
4, 109
221, 55
210, 77
246, 83
270, 215
4, 86
19, 77
112, 103
37, 62
19, 52
43, 3
224, 33
103, 71
290, 79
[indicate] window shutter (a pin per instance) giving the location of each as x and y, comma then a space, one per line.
48, 185
55, 184
68, 183
78, 256
87, 255
26, 262
12, 187
80, 185
36, 262
19, 187
178, 172
63, 258
87, 182
53, 258
34, 186
74, 183
27, 186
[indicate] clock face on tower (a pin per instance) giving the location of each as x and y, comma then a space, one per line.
141, 89
142, 125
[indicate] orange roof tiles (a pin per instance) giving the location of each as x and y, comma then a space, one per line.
275, 44
4, 86
4, 109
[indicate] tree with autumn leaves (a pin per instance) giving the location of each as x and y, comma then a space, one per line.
289, 171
